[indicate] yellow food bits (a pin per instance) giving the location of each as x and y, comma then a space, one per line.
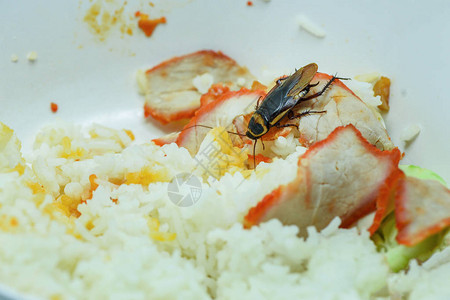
153, 225
56, 297
130, 134
19, 168
35, 187
146, 176
13, 221
67, 151
89, 225
8, 223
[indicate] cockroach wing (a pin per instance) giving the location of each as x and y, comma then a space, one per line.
342, 176
170, 93
302, 77
422, 208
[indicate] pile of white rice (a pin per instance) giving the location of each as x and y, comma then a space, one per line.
130, 241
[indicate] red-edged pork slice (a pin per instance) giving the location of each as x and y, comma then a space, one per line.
171, 94
166, 139
422, 208
343, 175
342, 107
220, 112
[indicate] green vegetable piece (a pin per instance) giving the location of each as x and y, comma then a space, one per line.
398, 256
421, 173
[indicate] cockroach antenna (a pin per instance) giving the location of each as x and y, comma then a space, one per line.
254, 156
209, 127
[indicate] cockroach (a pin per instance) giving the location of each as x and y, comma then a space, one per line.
282, 99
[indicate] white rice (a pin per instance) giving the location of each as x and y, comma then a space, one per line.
364, 91
111, 250
409, 133
309, 26
421, 282
371, 78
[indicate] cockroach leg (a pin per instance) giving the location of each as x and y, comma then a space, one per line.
286, 125
257, 103
322, 91
314, 84
324, 88
291, 115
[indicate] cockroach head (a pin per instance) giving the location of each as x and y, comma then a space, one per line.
257, 127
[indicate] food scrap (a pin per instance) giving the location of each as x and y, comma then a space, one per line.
32, 56
409, 133
309, 26
53, 107
14, 58
148, 25
249, 3
382, 88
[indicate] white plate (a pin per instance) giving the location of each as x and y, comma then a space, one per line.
94, 81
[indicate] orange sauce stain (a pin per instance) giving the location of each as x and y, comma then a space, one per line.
148, 25
54, 107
